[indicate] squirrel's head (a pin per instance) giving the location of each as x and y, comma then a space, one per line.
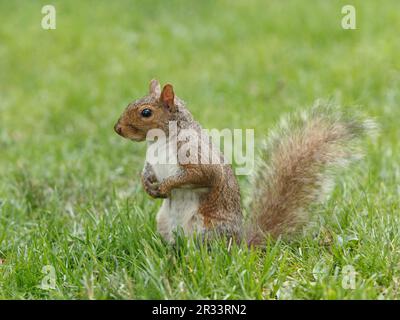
153, 111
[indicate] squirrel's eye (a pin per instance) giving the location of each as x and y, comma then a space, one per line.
146, 113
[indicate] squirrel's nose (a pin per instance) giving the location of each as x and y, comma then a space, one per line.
118, 129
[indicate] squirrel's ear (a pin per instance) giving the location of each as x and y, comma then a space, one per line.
154, 87
167, 97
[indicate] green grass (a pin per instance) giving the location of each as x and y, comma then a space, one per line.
70, 195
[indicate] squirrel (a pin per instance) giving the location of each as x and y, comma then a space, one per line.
294, 170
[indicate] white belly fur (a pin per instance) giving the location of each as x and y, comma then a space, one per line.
180, 210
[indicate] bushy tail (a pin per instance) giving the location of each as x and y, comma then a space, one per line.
294, 168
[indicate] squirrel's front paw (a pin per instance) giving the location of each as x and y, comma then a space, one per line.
156, 191
153, 189
150, 185
163, 190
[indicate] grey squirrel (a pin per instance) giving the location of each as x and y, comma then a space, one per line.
293, 171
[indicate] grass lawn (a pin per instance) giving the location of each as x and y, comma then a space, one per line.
70, 196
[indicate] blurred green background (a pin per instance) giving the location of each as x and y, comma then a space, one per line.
69, 190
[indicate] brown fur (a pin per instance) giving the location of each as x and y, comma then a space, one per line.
133, 126
220, 207
295, 170
292, 173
